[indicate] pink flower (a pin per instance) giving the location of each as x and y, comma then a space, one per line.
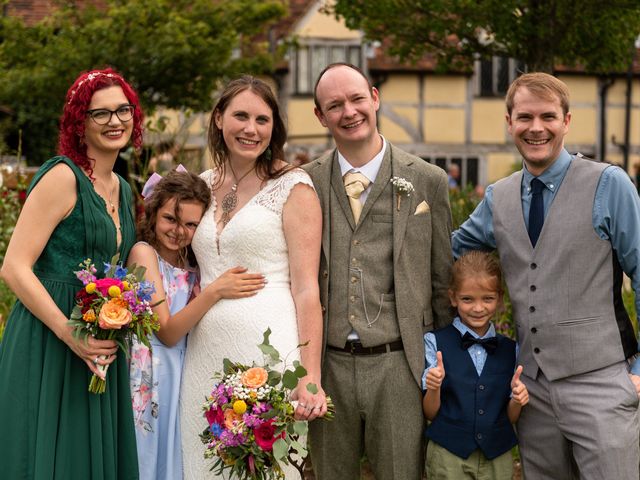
265, 435
104, 283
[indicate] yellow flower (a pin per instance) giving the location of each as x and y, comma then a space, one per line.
126, 285
89, 316
90, 288
114, 291
239, 407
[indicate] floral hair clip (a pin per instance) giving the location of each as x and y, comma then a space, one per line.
89, 78
150, 184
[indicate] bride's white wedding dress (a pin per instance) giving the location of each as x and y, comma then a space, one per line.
254, 238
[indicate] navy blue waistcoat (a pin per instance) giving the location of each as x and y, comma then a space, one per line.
473, 409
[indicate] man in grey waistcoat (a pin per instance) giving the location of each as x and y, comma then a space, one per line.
565, 229
384, 273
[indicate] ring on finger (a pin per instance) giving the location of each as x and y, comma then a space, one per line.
302, 405
95, 360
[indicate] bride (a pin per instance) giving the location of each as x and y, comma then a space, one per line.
264, 216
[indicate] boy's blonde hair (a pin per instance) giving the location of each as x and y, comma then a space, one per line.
476, 264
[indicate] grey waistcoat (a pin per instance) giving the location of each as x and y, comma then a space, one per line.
562, 291
362, 261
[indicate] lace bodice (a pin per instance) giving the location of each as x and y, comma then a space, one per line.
253, 238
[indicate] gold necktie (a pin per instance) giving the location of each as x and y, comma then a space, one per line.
355, 183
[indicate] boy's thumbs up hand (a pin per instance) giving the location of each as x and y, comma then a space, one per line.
435, 375
519, 391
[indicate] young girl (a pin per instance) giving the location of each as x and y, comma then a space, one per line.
173, 209
472, 406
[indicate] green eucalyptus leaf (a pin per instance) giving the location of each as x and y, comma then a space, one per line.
280, 449
300, 371
289, 380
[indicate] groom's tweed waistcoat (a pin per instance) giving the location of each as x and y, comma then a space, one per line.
565, 292
363, 262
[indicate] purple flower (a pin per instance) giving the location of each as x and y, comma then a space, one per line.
251, 420
138, 308
107, 267
230, 439
85, 277
261, 407
130, 297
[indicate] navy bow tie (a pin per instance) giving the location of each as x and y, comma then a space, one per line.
489, 344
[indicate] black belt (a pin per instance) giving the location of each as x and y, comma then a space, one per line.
356, 348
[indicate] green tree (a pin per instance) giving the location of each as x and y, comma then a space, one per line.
175, 52
599, 35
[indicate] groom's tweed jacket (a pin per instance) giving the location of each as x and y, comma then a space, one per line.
402, 255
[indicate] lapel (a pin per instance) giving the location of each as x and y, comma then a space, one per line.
400, 167
322, 184
337, 185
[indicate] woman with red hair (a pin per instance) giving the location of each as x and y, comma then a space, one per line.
77, 208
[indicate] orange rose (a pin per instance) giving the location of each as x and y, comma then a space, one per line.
254, 377
114, 315
230, 418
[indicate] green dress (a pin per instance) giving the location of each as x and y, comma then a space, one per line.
51, 427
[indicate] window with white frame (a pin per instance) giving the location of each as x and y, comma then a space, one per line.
494, 76
468, 166
310, 60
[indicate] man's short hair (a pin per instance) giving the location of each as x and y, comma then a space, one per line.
541, 85
334, 65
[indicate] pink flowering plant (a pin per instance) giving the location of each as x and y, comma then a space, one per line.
115, 307
251, 429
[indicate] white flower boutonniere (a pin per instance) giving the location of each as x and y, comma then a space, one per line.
403, 188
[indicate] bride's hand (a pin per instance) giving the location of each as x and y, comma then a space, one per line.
237, 283
310, 406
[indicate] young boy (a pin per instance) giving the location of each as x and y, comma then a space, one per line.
472, 406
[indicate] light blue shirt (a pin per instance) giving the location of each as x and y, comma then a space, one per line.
615, 217
477, 352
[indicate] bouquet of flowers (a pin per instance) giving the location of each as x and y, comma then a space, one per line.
252, 430
116, 307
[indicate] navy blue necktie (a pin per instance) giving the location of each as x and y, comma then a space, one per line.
536, 211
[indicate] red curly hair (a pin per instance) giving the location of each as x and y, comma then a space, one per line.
74, 114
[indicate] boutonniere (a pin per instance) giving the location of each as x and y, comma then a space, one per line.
403, 188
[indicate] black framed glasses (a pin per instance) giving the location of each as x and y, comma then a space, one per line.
102, 116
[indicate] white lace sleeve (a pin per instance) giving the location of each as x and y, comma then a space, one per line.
276, 193
207, 176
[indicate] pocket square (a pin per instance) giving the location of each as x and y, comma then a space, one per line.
422, 208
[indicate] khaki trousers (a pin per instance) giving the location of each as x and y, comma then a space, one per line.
444, 465
378, 413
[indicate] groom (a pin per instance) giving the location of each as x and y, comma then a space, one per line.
386, 258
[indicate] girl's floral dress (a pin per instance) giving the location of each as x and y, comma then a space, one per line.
155, 378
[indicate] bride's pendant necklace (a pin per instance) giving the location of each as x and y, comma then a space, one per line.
230, 200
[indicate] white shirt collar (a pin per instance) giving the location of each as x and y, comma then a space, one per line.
369, 169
